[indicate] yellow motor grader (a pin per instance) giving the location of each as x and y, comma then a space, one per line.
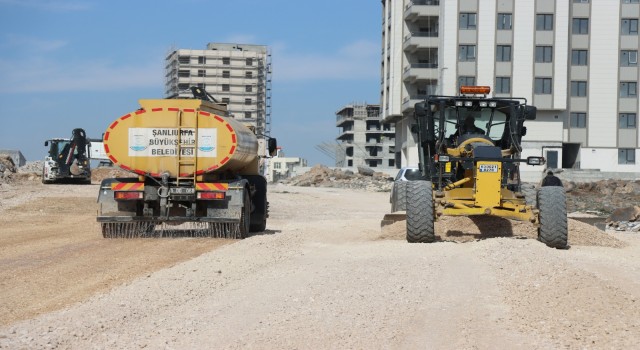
469, 152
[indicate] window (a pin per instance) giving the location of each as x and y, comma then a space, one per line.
226, 74
248, 88
578, 57
628, 89
247, 101
631, 1
578, 88
504, 21
627, 121
248, 74
628, 58
467, 20
503, 53
544, 54
247, 115
503, 85
580, 1
626, 156
543, 86
225, 87
466, 81
201, 60
580, 26
184, 59
184, 73
226, 100
277, 165
629, 26
226, 60
249, 61
578, 120
467, 53
183, 87
544, 22
201, 73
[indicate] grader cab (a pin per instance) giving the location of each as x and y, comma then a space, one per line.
470, 154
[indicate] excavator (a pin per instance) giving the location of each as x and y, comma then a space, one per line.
68, 159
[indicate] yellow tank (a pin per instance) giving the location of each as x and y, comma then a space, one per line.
181, 137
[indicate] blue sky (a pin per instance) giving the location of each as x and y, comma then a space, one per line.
66, 64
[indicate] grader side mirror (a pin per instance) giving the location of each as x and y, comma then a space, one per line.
420, 109
272, 144
530, 112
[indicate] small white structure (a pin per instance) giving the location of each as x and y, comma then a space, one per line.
281, 167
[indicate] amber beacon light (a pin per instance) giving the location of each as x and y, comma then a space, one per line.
476, 90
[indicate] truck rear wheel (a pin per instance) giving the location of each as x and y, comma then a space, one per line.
420, 216
245, 217
553, 230
399, 196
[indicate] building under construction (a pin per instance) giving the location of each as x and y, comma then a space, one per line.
237, 75
364, 140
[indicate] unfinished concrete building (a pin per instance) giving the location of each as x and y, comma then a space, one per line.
238, 75
364, 140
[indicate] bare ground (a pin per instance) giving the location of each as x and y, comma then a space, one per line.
324, 275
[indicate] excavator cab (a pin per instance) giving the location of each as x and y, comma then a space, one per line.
67, 159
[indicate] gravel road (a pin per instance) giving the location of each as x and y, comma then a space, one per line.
324, 275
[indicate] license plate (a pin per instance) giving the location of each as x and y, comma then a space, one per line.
182, 190
488, 168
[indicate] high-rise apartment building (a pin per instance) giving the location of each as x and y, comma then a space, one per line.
364, 140
575, 60
237, 75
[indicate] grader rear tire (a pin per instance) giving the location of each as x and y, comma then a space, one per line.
399, 200
420, 216
553, 230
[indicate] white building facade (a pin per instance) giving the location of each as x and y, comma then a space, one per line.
575, 60
238, 75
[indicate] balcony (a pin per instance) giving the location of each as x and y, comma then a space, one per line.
420, 71
416, 41
345, 135
408, 103
341, 120
421, 8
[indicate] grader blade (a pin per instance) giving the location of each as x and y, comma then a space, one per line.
392, 218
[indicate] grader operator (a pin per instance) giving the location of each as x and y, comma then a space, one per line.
469, 152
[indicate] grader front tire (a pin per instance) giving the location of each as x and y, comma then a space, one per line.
553, 230
420, 216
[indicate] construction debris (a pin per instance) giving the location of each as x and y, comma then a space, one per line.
625, 219
322, 176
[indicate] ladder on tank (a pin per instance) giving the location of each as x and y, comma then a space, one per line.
187, 153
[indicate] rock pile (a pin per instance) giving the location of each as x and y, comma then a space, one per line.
625, 219
603, 196
7, 167
322, 176
32, 171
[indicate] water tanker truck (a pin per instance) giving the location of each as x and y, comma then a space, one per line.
192, 166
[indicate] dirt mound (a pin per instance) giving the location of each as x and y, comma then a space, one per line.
101, 173
322, 176
467, 229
